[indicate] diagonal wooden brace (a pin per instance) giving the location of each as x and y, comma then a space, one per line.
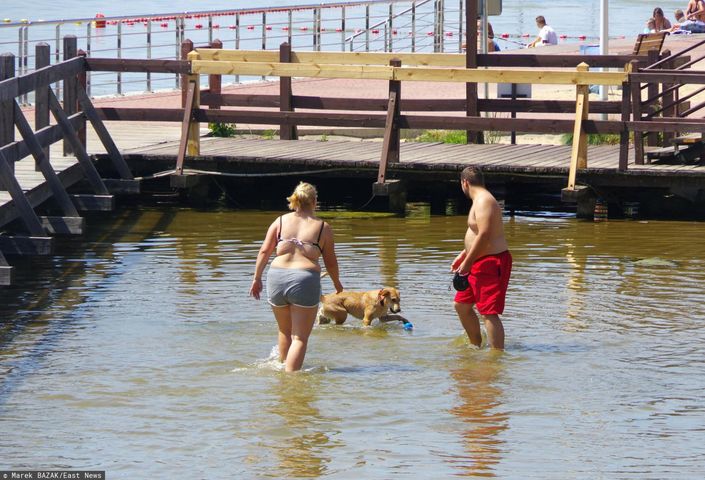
29, 217
71, 135
52, 179
104, 136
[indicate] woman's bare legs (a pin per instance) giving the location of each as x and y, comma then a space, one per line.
302, 320
283, 316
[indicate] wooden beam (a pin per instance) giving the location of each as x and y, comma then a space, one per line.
25, 245
387, 153
119, 186
504, 60
64, 225
578, 154
115, 156
6, 272
7, 178
70, 98
286, 132
41, 193
186, 126
42, 164
137, 65
11, 89
409, 105
7, 124
71, 136
94, 203
41, 95
422, 74
45, 137
277, 69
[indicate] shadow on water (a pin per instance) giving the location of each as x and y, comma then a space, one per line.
480, 409
48, 289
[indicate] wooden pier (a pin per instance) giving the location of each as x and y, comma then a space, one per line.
651, 103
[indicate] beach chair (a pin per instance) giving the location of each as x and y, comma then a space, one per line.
645, 42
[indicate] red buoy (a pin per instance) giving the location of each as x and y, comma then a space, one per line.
99, 23
582, 37
505, 35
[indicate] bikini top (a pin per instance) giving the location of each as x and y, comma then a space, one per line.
296, 241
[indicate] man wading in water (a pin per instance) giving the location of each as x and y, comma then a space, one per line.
485, 260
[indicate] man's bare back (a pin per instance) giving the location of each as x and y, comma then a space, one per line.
486, 205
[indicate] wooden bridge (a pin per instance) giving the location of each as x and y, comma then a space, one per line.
73, 183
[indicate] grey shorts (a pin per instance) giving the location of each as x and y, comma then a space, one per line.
293, 286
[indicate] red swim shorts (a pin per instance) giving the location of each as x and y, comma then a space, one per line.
489, 278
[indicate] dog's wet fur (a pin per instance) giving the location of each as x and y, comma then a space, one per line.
366, 306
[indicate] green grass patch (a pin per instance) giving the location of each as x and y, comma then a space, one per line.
443, 136
222, 129
594, 139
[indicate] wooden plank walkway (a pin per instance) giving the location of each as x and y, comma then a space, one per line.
428, 160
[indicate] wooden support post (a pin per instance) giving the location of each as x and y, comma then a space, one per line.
41, 94
186, 48
25, 245
194, 131
116, 157
7, 178
215, 82
71, 137
391, 143
471, 104
626, 112
652, 91
64, 225
636, 117
286, 131
667, 99
70, 85
578, 155
7, 121
184, 144
5, 272
81, 84
42, 163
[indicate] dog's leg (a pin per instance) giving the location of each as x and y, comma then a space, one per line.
340, 317
367, 319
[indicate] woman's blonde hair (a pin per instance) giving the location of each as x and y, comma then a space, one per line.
304, 196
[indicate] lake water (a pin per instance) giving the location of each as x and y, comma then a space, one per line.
570, 17
136, 350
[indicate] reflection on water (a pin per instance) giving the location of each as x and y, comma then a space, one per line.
302, 448
481, 410
141, 338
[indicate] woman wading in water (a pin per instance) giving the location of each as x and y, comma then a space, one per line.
294, 278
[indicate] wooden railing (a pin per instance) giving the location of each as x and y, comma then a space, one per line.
70, 127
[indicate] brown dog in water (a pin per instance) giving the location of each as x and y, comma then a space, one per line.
364, 305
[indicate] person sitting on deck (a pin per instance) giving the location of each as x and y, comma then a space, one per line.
683, 25
547, 35
660, 21
695, 11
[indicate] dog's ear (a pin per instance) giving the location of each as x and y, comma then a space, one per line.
383, 293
